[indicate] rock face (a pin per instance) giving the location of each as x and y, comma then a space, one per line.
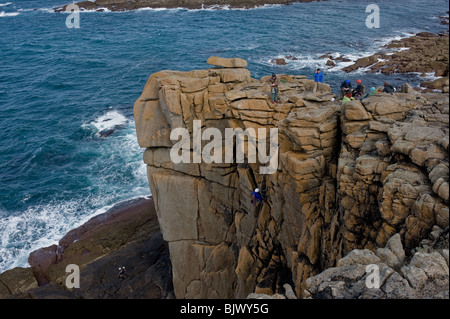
392, 164
126, 236
424, 276
347, 178
221, 245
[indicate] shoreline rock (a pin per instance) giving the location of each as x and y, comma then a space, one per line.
126, 5
126, 235
423, 53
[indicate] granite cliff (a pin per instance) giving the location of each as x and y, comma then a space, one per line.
348, 177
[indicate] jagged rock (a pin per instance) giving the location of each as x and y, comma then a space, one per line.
265, 296
362, 63
358, 256
393, 254
426, 269
426, 275
17, 280
288, 292
426, 53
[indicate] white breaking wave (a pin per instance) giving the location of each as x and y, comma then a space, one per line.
44, 225
37, 227
49, 10
215, 7
158, 9
110, 120
100, 10
8, 14
5, 4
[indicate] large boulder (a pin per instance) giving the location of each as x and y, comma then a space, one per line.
227, 63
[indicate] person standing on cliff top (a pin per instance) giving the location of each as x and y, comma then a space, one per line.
318, 78
274, 82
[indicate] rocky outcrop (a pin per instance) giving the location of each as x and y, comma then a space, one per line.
123, 5
126, 236
347, 178
423, 53
425, 275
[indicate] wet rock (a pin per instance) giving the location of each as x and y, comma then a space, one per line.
279, 61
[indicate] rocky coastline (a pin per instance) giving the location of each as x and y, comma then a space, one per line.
125, 5
424, 53
127, 236
364, 183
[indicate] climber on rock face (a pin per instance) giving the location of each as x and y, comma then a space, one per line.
256, 196
122, 273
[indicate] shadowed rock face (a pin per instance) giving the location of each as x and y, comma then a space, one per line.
348, 178
126, 236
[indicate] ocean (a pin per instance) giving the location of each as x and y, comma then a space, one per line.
60, 87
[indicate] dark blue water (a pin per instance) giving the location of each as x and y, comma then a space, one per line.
60, 87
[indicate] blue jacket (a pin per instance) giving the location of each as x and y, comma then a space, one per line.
257, 196
318, 77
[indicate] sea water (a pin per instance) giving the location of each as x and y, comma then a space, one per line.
60, 87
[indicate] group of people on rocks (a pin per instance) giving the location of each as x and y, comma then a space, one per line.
359, 92
348, 93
